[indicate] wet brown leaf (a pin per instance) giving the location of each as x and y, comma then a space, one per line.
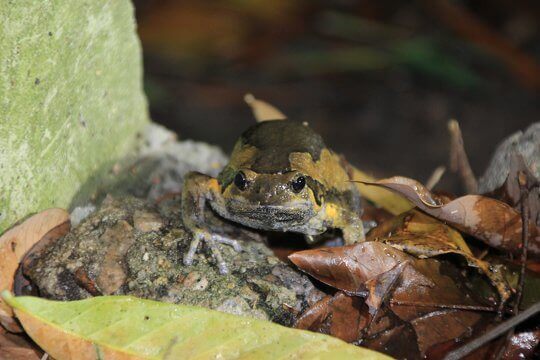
523, 346
423, 236
443, 325
490, 220
382, 287
348, 267
14, 244
400, 342
340, 315
404, 297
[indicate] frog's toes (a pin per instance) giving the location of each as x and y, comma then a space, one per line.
212, 240
188, 257
216, 253
225, 240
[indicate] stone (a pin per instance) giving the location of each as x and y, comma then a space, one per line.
107, 254
526, 143
147, 222
71, 100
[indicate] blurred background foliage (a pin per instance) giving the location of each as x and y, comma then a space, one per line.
378, 79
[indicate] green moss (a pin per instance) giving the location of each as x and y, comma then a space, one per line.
71, 99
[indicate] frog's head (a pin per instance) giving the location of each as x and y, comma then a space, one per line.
270, 200
263, 186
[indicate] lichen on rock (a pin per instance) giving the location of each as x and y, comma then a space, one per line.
71, 100
129, 247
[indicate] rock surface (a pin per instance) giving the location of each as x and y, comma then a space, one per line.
71, 100
526, 143
130, 247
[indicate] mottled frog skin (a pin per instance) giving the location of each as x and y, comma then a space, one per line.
280, 177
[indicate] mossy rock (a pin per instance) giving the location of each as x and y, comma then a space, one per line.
71, 100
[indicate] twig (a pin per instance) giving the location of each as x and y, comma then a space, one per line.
459, 162
435, 177
524, 204
444, 306
493, 333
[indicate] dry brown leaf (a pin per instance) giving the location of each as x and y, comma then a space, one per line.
262, 110
14, 244
17, 347
490, 220
423, 236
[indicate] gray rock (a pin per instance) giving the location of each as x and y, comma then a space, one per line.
158, 167
129, 247
525, 143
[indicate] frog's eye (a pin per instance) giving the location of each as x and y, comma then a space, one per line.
298, 184
240, 180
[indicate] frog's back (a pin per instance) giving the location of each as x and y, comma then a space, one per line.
273, 141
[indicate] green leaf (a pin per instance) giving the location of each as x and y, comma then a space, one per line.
131, 328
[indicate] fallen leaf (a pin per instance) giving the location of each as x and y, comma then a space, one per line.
382, 287
399, 341
262, 110
492, 221
402, 294
391, 202
130, 328
340, 315
373, 216
523, 345
14, 244
348, 267
423, 236
17, 347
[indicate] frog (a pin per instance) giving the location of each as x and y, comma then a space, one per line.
280, 177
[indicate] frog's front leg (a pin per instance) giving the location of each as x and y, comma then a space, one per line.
349, 222
198, 190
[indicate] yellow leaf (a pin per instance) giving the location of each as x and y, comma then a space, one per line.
262, 110
389, 201
124, 327
14, 244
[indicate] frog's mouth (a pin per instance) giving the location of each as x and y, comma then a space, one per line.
271, 217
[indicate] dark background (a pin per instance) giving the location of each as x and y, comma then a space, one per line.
378, 79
